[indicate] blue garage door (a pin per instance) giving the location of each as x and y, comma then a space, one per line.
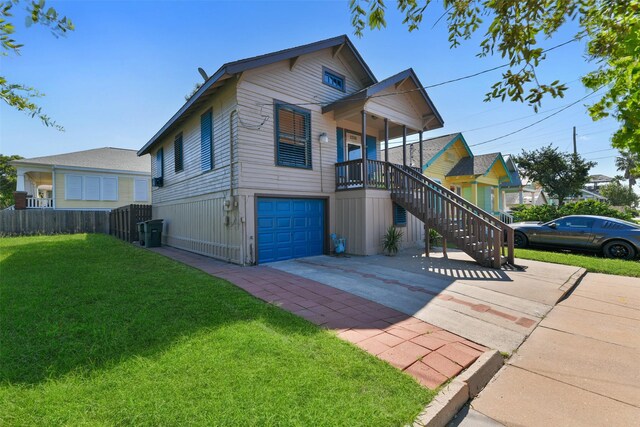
289, 228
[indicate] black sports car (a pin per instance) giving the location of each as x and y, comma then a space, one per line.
614, 238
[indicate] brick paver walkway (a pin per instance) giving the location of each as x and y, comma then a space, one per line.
428, 353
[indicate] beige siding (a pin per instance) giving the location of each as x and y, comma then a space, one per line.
202, 225
397, 108
125, 191
193, 181
363, 217
257, 90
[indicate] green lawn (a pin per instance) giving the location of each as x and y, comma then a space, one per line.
95, 331
592, 263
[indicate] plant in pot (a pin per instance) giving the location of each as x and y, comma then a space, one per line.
391, 240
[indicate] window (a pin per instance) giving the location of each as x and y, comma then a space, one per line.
73, 187
177, 153
293, 136
159, 163
91, 187
140, 190
109, 188
333, 79
575, 222
399, 216
206, 140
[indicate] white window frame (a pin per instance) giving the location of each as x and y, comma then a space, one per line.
102, 186
146, 188
101, 197
66, 187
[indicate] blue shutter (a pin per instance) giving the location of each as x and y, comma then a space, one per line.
206, 133
372, 148
160, 163
399, 216
340, 140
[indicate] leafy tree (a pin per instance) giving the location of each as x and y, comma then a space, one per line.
619, 195
18, 95
562, 175
514, 29
7, 180
629, 164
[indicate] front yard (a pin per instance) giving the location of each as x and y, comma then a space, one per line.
95, 331
591, 263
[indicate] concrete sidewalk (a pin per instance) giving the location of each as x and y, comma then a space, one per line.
495, 308
579, 367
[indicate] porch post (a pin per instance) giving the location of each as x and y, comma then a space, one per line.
386, 153
474, 193
365, 169
404, 145
20, 182
496, 199
421, 154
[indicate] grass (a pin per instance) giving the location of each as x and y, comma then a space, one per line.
591, 263
96, 331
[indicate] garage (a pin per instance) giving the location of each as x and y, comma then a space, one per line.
289, 228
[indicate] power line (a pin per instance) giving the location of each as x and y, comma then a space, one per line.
536, 122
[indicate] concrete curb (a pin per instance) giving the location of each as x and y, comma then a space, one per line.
571, 283
465, 386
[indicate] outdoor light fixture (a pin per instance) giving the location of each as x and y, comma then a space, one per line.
323, 138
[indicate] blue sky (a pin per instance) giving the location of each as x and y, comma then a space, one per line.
124, 72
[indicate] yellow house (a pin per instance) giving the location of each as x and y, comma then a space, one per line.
97, 179
449, 161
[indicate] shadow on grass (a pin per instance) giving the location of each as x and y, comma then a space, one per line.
86, 302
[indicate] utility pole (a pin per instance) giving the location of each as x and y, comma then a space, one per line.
575, 147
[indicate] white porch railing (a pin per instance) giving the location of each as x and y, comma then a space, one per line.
507, 218
39, 203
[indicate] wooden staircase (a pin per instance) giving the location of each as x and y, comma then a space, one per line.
476, 232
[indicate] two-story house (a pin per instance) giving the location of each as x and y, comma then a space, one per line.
276, 152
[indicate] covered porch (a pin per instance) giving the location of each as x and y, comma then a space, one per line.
37, 182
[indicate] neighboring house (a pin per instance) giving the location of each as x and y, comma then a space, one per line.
102, 178
595, 182
276, 152
519, 190
448, 160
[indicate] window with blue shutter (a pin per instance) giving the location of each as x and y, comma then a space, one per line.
333, 79
178, 153
206, 140
399, 216
160, 163
293, 136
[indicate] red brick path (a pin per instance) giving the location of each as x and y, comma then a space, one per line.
428, 353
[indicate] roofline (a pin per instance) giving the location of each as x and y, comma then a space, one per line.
384, 84
504, 165
444, 150
53, 166
230, 68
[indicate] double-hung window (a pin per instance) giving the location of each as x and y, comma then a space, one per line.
293, 136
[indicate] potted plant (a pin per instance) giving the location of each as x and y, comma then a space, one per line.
391, 240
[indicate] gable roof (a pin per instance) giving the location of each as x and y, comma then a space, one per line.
120, 159
476, 165
514, 172
232, 68
372, 90
431, 149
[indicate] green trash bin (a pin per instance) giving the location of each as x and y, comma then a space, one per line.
140, 226
153, 233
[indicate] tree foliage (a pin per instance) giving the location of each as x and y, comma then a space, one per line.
514, 29
17, 95
619, 195
7, 180
562, 175
629, 164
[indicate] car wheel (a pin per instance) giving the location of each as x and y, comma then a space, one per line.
618, 249
520, 240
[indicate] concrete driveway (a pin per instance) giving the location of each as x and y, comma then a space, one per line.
495, 308
578, 368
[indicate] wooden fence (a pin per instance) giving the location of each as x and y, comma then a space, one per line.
123, 222
48, 221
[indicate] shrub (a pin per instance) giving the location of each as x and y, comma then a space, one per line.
391, 240
546, 213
